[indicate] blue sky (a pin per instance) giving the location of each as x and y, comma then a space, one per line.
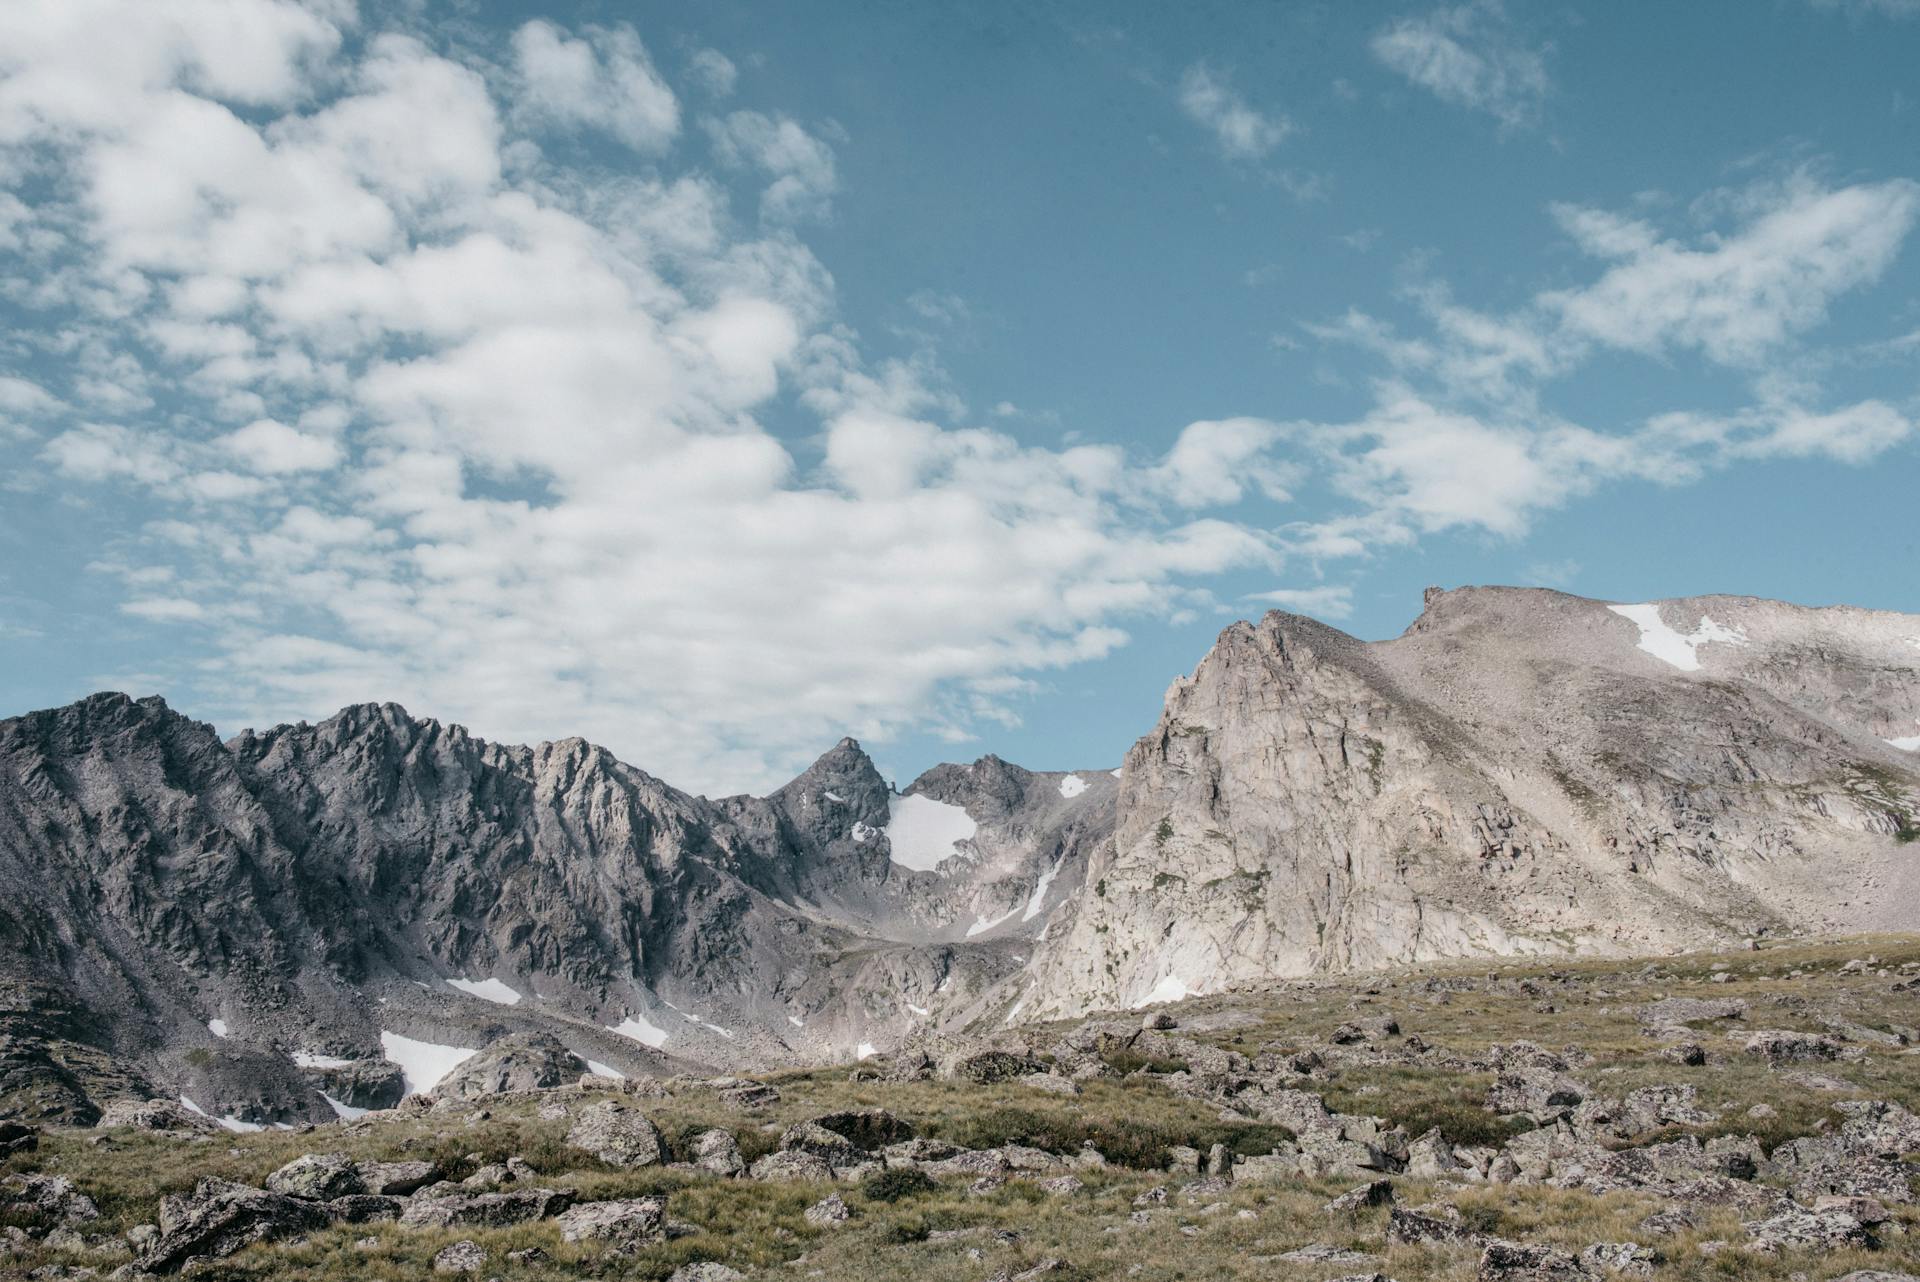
712, 381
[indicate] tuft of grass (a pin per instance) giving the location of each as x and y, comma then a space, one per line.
896, 1183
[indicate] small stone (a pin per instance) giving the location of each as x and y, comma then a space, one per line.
464, 1256
829, 1210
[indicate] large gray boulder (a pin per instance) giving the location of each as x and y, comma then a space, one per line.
521, 1062
318, 1177
630, 1222
618, 1135
219, 1218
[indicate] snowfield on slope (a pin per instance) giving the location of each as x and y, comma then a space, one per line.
922, 832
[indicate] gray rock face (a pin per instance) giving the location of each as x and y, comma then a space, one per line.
1514, 775
378, 874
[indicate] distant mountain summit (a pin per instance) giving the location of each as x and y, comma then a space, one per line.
1521, 772
312, 919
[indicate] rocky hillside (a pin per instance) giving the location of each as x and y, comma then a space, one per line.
1521, 772
1746, 1115
307, 918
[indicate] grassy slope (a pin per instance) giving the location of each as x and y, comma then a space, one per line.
760, 1228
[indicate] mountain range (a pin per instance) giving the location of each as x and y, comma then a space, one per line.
314, 919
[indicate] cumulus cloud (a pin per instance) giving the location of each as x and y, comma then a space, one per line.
600, 80
1469, 55
448, 424
801, 168
1242, 133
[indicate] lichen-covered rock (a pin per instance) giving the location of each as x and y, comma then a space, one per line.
47, 1198
717, 1153
791, 1164
618, 1135
219, 1218
828, 1211
464, 1256
629, 1222
430, 1209
318, 1177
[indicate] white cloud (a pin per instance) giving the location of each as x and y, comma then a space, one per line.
274, 448
1241, 132
548, 504
801, 167
715, 72
1471, 56
603, 81
1736, 297
1326, 602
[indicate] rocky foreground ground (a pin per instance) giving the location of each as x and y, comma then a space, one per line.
1748, 1114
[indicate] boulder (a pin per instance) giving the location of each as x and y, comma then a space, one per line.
464, 1256
520, 1062
1411, 1227
1520, 1262
1629, 1259
618, 1135
219, 1218
830, 1146
828, 1211
484, 1210
318, 1177
1779, 1046
364, 1208
628, 1223
750, 1095
985, 1068
51, 1199
791, 1164
1355, 1200
1821, 1230
867, 1129
717, 1153
17, 1137
706, 1271
397, 1179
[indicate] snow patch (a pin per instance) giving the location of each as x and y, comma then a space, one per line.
1663, 643
981, 925
1909, 744
487, 989
861, 833
218, 1027
422, 1064
834, 796
921, 1011
345, 1112
305, 1059
1072, 786
233, 1124
1039, 898
865, 1051
642, 1030
922, 831
796, 1021
1114, 773
1170, 989
595, 1067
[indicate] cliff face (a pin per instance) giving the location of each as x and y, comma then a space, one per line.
1521, 772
